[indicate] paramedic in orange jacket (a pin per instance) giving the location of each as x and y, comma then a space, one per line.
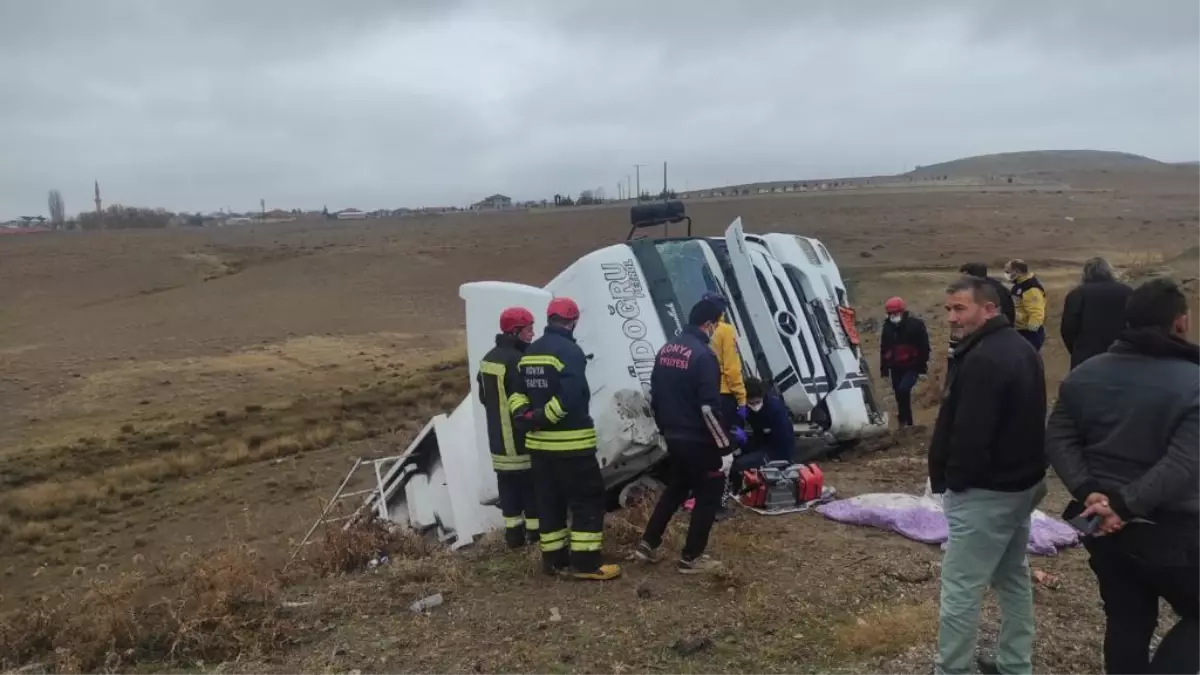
733, 387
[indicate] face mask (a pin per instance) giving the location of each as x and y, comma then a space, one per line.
754, 406
896, 318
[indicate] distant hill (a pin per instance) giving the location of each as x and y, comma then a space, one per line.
1042, 162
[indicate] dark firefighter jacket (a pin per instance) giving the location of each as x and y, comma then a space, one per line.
685, 392
552, 397
904, 346
498, 379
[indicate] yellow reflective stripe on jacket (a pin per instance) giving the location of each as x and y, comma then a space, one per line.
587, 541
498, 370
510, 463
554, 410
532, 524
553, 541
579, 439
516, 402
541, 360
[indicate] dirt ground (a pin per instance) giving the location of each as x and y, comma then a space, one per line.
169, 392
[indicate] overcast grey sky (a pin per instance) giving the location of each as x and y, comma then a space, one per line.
376, 103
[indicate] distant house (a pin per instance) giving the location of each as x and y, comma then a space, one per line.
493, 202
351, 214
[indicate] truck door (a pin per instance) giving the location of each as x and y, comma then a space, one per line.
786, 379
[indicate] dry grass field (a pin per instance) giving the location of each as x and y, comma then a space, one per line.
177, 404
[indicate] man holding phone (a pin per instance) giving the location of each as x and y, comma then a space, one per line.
1124, 438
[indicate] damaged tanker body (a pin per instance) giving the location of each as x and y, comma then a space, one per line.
794, 328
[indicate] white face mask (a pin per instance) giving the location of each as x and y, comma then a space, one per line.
896, 318
754, 406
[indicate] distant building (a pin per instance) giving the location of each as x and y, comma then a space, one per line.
351, 214
493, 202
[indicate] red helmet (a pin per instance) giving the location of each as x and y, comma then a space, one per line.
514, 319
894, 305
564, 308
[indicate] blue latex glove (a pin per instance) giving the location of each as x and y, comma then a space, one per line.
739, 435
743, 411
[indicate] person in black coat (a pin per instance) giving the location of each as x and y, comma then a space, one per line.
903, 355
1094, 312
987, 459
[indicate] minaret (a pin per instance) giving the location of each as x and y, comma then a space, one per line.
98, 209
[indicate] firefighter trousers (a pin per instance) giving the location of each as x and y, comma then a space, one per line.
519, 506
569, 486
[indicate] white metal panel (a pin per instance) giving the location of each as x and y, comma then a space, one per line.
786, 377
485, 300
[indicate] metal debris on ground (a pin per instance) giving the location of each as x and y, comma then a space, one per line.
555, 616
427, 603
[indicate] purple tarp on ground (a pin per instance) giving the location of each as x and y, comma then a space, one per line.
921, 519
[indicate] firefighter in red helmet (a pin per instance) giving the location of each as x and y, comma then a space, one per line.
551, 406
903, 354
498, 377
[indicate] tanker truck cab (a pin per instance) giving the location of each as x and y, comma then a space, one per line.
636, 296
794, 329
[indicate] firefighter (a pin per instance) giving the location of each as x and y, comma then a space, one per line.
1029, 300
903, 354
685, 398
498, 378
551, 405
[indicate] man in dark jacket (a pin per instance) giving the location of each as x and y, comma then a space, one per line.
498, 379
552, 407
1007, 309
1094, 312
1125, 439
903, 354
685, 395
987, 457
772, 437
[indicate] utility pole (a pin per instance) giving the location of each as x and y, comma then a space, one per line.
628, 186
262, 204
664, 181
620, 191
638, 169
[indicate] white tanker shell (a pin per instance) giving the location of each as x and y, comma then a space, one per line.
445, 474
620, 332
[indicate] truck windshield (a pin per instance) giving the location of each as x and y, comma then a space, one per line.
688, 271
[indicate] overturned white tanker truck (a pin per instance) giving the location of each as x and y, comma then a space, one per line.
795, 329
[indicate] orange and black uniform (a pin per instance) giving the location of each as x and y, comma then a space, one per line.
551, 402
498, 379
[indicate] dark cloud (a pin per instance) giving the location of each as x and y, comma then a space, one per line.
374, 103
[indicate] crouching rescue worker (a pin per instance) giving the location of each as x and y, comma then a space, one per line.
903, 355
499, 378
772, 435
1029, 301
685, 396
551, 406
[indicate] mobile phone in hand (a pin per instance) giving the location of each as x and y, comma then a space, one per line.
1086, 526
